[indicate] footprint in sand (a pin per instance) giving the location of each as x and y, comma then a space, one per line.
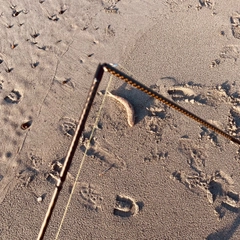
234, 121
26, 176
205, 134
187, 94
217, 187
156, 156
126, 206
104, 153
36, 161
13, 97
154, 125
91, 197
182, 94
221, 195
155, 120
55, 169
67, 126
196, 156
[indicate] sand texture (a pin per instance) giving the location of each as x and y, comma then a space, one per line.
148, 172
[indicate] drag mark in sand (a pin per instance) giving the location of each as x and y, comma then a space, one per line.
54, 76
105, 156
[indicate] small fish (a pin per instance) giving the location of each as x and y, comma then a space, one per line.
128, 107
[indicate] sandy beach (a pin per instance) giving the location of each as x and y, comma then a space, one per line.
165, 177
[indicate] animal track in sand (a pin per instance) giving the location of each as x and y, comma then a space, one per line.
13, 97
110, 31
235, 21
174, 5
125, 206
215, 63
91, 197
206, 134
55, 169
36, 161
154, 125
34, 64
156, 156
67, 126
53, 174
182, 90
53, 17
62, 10
187, 94
207, 3
157, 111
216, 187
196, 156
191, 181
234, 121
67, 82
26, 176
221, 195
111, 9
206, 95
230, 52
1, 84
105, 155
182, 94
109, 3
8, 69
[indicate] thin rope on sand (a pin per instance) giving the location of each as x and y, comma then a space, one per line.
83, 158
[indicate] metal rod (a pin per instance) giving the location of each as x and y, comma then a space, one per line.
72, 149
80, 127
109, 68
